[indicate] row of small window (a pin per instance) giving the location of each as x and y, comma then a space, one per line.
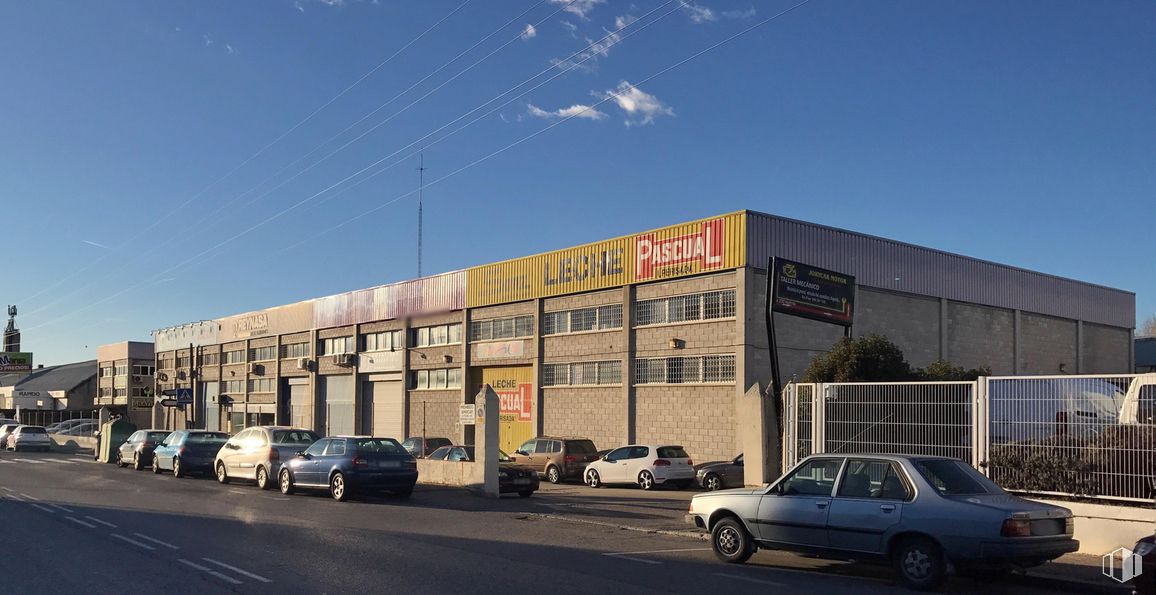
441, 378
685, 308
584, 319
122, 392
582, 373
122, 370
685, 369
502, 328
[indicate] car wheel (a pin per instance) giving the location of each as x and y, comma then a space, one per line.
646, 480
120, 460
592, 479
285, 482
731, 542
177, 472
712, 482
156, 466
222, 474
262, 478
553, 475
136, 462
919, 563
337, 487
526, 493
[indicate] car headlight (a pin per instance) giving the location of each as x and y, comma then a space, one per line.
1145, 547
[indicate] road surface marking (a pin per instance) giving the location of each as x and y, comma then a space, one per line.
105, 523
134, 542
238, 570
63, 461
156, 541
61, 508
748, 579
5, 461
33, 461
15, 497
44, 508
208, 570
7, 489
30, 497
80, 522
632, 559
236, 491
688, 549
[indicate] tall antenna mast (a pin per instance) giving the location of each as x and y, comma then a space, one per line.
420, 193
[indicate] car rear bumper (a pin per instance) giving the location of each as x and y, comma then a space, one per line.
382, 481
509, 485
694, 520
1028, 551
674, 474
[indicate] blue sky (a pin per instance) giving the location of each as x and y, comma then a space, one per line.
141, 185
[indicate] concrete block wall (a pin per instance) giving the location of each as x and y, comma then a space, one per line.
911, 322
700, 418
1104, 350
440, 413
586, 412
1047, 343
981, 336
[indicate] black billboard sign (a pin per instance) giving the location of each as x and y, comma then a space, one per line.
812, 292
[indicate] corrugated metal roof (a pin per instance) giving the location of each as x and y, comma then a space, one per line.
896, 266
64, 377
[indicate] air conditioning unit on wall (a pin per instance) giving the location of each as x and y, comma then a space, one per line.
303, 363
343, 359
136, 379
256, 369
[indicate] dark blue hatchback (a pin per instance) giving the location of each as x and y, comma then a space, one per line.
344, 465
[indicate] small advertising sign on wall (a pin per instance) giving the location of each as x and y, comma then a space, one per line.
811, 292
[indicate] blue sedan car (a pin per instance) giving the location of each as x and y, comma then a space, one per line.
188, 451
344, 465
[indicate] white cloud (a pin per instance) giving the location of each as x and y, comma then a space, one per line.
601, 48
698, 14
334, 2
300, 7
641, 107
577, 111
208, 39
529, 32
581, 8
92, 243
570, 28
229, 48
740, 14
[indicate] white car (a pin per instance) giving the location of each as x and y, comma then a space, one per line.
645, 465
29, 438
5, 431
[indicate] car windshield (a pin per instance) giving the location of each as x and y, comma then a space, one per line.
156, 436
502, 457
580, 447
672, 452
207, 438
33, 430
387, 446
951, 478
295, 437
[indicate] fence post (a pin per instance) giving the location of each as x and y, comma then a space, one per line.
790, 427
819, 418
979, 427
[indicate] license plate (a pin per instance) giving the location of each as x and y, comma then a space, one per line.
521, 481
389, 464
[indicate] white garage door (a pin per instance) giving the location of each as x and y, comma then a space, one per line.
384, 409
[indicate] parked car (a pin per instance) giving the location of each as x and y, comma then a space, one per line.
256, 453
139, 448
61, 426
185, 452
87, 428
557, 458
917, 513
29, 438
1030, 409
349, 465
5, 431
645, 465
1145, 582
416, 448
718, 475
512, 477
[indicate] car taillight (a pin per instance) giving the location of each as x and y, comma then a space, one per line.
274, 454
360, 462
1070, 525
690, 462
1016, 528
661, 463
181, 451
570, 459
149, 444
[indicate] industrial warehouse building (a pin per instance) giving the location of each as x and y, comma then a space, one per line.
652, 337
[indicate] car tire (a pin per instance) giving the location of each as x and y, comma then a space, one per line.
592, 479
646, 480
338, 488
262, 478
285, 482
120, 460
731, 542
136, 466
177, 471
526, 493
553, 474
919, 563
156, 466
222, 473
712, 482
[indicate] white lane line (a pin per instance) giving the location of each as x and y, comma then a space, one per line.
748, 579
238, 570
633, 559
156, 541
15, 497
44, 508
96, 520
133, 541
5, 461
33, 461
7, 489
80, 522
208, 570
63, 461
688, 549
30, 497
236, 491
61, 508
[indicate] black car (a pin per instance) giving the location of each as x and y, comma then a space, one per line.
345, 465
138, 449
512, 477
719, 475
422, 447
188, 451
1145, 582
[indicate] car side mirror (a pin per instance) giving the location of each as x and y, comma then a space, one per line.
300, 453
522, 452
605, 458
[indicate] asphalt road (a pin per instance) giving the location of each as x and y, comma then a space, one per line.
72, 525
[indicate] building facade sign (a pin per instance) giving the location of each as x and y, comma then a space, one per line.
15, 362
500, 350
253, 325
706, 245
812, 292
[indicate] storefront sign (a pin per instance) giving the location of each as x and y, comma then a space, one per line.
500, 350
15, 362
691, 248
811, 292
253, 325
466, 414
141, 402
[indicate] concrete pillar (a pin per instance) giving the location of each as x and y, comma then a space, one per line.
628, 394
538, 345
1017, 325
1079, 346
757, 429
943, 329
486, 441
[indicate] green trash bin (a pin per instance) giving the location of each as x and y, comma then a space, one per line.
112, 434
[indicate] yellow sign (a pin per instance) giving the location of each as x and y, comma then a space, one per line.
514, 386
714, 244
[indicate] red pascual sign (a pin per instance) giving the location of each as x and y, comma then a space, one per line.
704, 247
516, 401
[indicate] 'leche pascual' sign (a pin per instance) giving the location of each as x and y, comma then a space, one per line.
812, 292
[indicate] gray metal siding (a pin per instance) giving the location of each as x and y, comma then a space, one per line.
895, 266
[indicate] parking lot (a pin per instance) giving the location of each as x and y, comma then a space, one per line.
118, 525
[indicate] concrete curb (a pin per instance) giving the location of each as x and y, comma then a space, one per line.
1029, 579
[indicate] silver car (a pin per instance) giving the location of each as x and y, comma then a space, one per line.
257, 453
916, 513
717, 475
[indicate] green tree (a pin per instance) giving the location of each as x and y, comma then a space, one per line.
873, 358
940, 370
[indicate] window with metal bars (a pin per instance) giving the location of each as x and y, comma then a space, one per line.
515, 327
582, 373
685, 369
685, 308
583, 319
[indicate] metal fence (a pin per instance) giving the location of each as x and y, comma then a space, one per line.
39, 417
1090, 436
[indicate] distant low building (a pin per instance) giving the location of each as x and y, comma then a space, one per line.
1146, 354
126, 371
52, 388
